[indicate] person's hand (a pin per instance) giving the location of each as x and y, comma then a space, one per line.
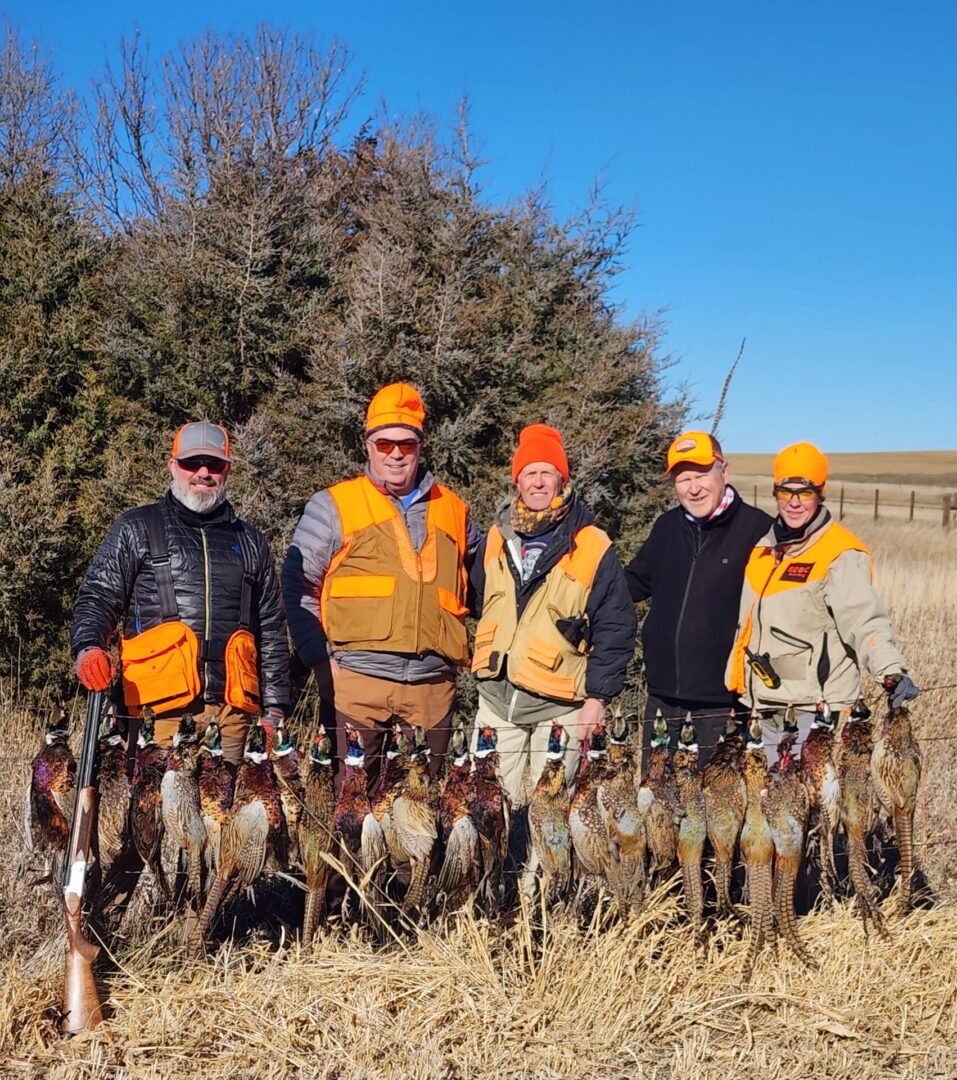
899, 689
592, 713
95, 668
334, 668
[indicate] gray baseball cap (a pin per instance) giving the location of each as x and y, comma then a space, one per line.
201, 437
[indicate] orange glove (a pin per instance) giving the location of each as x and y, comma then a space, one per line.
95, 668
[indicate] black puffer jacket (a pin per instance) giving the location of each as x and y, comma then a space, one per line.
207, 567
693, 575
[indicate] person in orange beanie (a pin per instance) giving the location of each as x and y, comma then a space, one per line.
809, 617
375, 586
557, 627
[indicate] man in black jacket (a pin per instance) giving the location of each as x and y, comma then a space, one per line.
556, 624
692, 567
194, 593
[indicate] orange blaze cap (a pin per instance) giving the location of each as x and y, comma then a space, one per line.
693, 448
539, 442
801, 461
396, 405
199, 438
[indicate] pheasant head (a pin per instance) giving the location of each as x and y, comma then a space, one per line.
212, 740
320, 753
355, 748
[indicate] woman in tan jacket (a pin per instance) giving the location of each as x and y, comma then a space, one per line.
809, 617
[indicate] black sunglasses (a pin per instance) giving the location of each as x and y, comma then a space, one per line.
194, 464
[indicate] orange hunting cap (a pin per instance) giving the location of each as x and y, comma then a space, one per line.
801, 461
539, 442
396, 405
694, 448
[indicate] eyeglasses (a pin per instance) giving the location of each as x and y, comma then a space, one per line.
194, 464
805, 494
407, 447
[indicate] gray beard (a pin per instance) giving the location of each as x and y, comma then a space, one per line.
198, 498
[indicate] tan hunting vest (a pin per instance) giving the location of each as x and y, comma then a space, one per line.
381, 594
540, 659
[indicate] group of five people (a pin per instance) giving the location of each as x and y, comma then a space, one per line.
746, 612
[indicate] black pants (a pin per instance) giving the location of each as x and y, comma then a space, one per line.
709, 723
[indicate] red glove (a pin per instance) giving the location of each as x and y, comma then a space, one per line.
95, 668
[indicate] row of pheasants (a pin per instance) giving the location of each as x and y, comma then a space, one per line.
613, 828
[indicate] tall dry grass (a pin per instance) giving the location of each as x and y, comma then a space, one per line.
472, 999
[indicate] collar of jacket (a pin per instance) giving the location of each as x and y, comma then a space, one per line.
224, 513
424, 481
803, 540
716, 522
562, 539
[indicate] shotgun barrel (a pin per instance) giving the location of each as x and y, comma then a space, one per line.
81, 1000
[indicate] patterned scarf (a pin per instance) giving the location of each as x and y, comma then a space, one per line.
534, 522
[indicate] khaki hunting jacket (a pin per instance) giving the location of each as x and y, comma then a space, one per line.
812, 609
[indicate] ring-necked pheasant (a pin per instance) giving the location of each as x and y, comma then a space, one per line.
585, 824
725, 798
895, 769
548, 818
113, 793
857, 809
351, 810
786, 805
413, 833
182, 813
824, 791
491, 812
317, 829
623, 820
379, 821
693, 827
462, 861
215, 795
50, 799
252, 831
146, 801
285, 760
659, 803
757, 847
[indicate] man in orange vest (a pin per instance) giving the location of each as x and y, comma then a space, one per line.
375, 585
809, 615
557, 625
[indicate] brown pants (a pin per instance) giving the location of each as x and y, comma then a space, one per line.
233, 726
373, 705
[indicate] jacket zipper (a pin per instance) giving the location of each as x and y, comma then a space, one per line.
699, 542
206, 596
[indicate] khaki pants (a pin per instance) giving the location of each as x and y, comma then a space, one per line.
373, 705
233, 726
523, 746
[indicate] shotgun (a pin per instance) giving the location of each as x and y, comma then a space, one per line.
81, 1000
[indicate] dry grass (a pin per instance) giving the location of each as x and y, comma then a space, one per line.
476, 1000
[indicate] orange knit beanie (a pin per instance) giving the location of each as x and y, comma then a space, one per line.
539, 442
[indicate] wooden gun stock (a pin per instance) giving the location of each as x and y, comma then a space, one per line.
81, 999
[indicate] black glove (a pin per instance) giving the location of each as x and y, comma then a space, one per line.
899, 689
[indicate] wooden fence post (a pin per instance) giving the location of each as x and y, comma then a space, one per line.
755, 499
946, 509
877, 497
911, 518
841, 513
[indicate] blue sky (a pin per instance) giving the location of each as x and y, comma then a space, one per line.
792, 165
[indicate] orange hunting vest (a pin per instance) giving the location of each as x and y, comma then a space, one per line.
540, 658
769, 583
381, 594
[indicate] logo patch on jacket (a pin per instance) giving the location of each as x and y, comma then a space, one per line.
798, 571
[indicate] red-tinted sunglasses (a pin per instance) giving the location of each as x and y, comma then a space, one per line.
194, 464
407, 447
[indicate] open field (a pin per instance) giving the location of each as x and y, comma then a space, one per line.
912, 468
476, 1000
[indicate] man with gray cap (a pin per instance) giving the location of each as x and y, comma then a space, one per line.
193, 591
